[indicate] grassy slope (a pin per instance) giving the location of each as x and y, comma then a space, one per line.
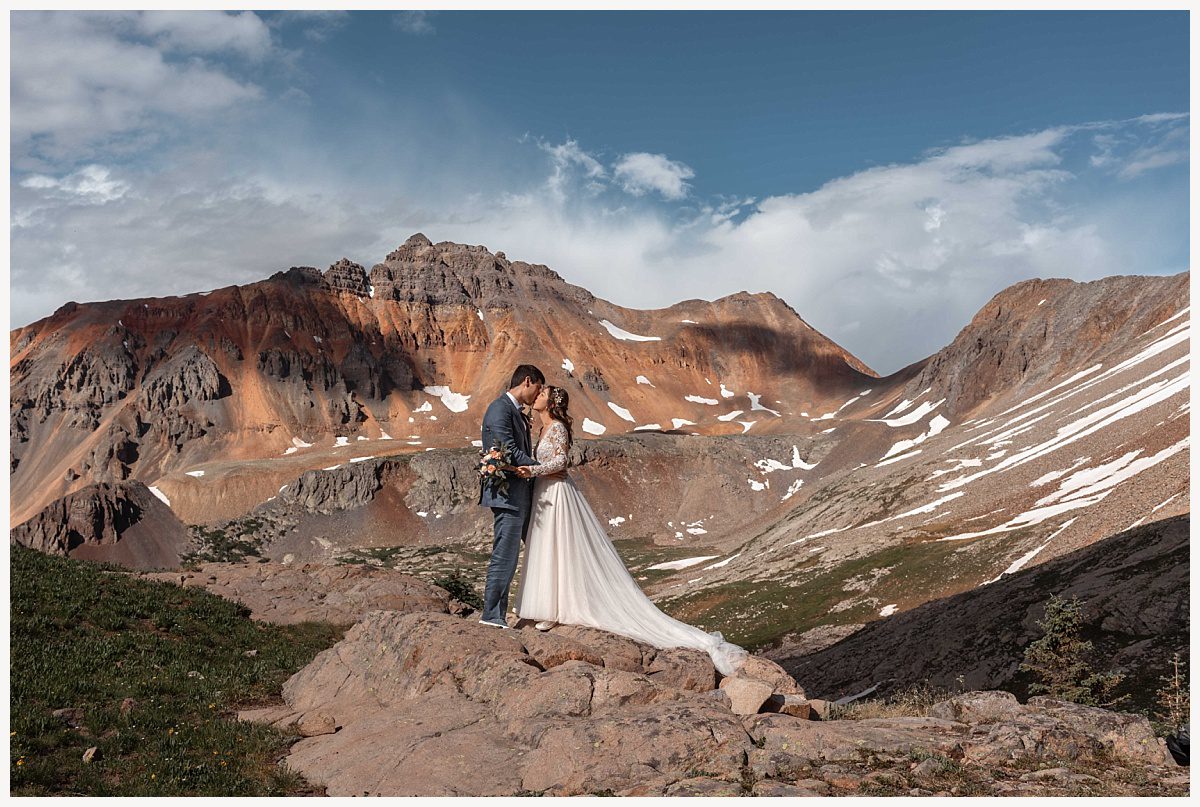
86, 637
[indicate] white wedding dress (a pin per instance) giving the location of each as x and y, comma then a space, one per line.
572, 574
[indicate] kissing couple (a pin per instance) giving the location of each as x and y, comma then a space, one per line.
572, 575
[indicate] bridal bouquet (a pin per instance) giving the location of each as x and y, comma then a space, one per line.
495, 465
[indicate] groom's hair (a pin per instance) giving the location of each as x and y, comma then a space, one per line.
526, 371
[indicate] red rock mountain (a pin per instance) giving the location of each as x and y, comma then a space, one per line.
783, 488
410, 353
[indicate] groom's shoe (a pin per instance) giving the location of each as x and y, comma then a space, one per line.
493, 624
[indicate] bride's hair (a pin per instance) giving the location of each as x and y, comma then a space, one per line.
556, 404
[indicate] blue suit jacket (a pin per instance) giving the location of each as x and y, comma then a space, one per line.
504, 422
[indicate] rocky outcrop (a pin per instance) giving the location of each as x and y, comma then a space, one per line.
119, 523
1134, 587
343, 488
339, 594
461, 709
345, 275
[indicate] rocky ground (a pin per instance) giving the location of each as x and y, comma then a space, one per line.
458, 708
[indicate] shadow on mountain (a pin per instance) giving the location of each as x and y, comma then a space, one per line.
1134, 587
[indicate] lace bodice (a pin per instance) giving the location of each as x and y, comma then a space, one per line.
551, 451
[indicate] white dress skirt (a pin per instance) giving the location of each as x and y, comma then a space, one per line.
573, 575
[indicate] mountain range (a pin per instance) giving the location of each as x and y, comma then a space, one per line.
759, 478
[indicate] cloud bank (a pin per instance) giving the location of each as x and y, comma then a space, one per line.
140, 170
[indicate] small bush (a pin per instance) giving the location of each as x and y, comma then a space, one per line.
1174, 698
914, 701
460, 589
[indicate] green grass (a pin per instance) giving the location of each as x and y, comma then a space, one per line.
756, 613
233, 542
86, 636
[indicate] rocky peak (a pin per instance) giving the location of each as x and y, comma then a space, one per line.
446, 273
346, 275
300, 275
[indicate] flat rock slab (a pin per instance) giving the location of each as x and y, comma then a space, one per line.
317, 592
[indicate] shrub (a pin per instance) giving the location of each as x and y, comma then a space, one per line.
1174, 698
1062, 661
460, 589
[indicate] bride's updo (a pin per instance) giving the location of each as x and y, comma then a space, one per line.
557, 402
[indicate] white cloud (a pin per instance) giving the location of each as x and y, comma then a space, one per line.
641, 173
79, 81
413, 22
1172, 149
93, 184
243, 33
564, 159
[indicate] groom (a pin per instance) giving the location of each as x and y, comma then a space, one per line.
504, 421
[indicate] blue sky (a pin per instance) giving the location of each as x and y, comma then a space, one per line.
885, 173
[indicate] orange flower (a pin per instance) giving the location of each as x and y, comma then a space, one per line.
491, 469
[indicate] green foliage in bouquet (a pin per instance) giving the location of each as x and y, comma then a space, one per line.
493, 463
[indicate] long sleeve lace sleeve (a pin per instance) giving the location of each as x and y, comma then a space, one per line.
555, 442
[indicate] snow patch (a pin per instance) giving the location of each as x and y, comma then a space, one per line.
682, 564
613, 522
341, 441
756, 485
643, 380
568, 365
1028, 556
721, 563
620, 333
361, 459
454, 401
195, 473
384, 436
698, 399
160, 495
298, 443
792, 490
726, 393
621, 412
679, 422
888, 610
756, 405
936, 425
912, 417
425, 407
1081, 489
730, 416
799, 463
592, 427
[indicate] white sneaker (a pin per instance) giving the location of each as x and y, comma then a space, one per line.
493, 624
544, 625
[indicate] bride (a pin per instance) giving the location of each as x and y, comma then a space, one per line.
572, 574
